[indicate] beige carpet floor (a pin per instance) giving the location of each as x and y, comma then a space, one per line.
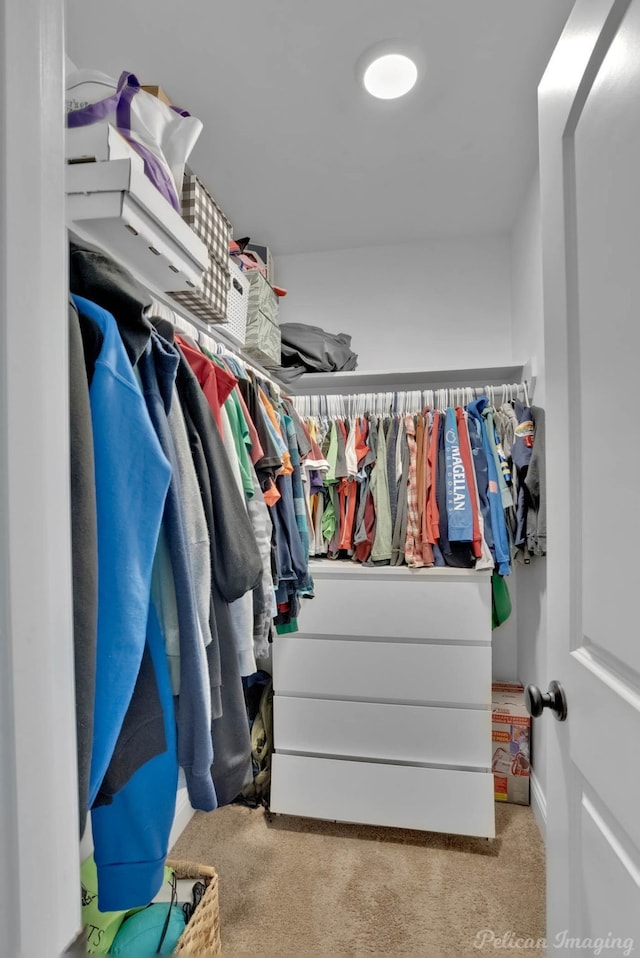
294, 886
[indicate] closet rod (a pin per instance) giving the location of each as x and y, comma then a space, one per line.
409, 401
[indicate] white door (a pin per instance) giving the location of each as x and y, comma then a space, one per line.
589, 109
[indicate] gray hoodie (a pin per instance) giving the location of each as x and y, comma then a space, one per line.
535, 485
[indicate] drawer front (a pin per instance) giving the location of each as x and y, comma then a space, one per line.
405, 733
402, 796
388, 671
412, 608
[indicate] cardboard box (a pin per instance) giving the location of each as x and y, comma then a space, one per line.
159, 93
511, 743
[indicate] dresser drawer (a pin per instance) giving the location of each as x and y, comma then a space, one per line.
392, 671
411, 606
405, 733
402, 796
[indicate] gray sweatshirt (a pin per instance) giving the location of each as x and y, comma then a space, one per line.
535, 485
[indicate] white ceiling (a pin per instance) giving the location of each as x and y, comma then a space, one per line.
295, 151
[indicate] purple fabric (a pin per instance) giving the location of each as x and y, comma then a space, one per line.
155, 171
102, 109
93, 112
316, 481
120, 103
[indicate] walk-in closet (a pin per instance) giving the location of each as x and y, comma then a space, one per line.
317, 353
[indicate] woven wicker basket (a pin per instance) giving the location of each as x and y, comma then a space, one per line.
202, 934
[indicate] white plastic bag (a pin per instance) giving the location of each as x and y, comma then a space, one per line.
164, 136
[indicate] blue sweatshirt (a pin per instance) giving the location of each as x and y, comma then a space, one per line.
132, 477
131, 835
459, 513
498, 522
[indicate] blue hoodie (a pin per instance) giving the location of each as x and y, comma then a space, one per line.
498, 522
132, 477
131, 835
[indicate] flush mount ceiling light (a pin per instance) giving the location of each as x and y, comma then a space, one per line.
389, 76
391, 68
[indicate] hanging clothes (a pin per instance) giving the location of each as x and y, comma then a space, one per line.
433, 513
448, 495
459, 512
236, 567
128, 525
498, 524
456, 554
195, 472
157, 368
535, 486
366, 518
521, 453
131, 832
382, 549
467, 458
241, 609
413, 542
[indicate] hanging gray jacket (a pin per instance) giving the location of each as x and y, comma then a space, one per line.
536, 488
84, 554
236, 568
157, 366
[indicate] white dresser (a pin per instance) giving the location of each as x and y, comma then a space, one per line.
382, 702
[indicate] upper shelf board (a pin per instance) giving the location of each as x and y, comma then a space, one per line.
120, 210
311, 384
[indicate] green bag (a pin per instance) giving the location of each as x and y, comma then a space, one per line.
101, 927
500, 601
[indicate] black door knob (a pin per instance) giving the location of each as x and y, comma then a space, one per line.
555, 699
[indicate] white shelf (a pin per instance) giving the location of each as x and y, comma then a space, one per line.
311, 384
113, 205
341, 568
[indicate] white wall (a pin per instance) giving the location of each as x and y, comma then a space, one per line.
439, 304
528, 341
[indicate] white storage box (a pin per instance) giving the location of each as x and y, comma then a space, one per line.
114, 205
98, 141
237, 303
